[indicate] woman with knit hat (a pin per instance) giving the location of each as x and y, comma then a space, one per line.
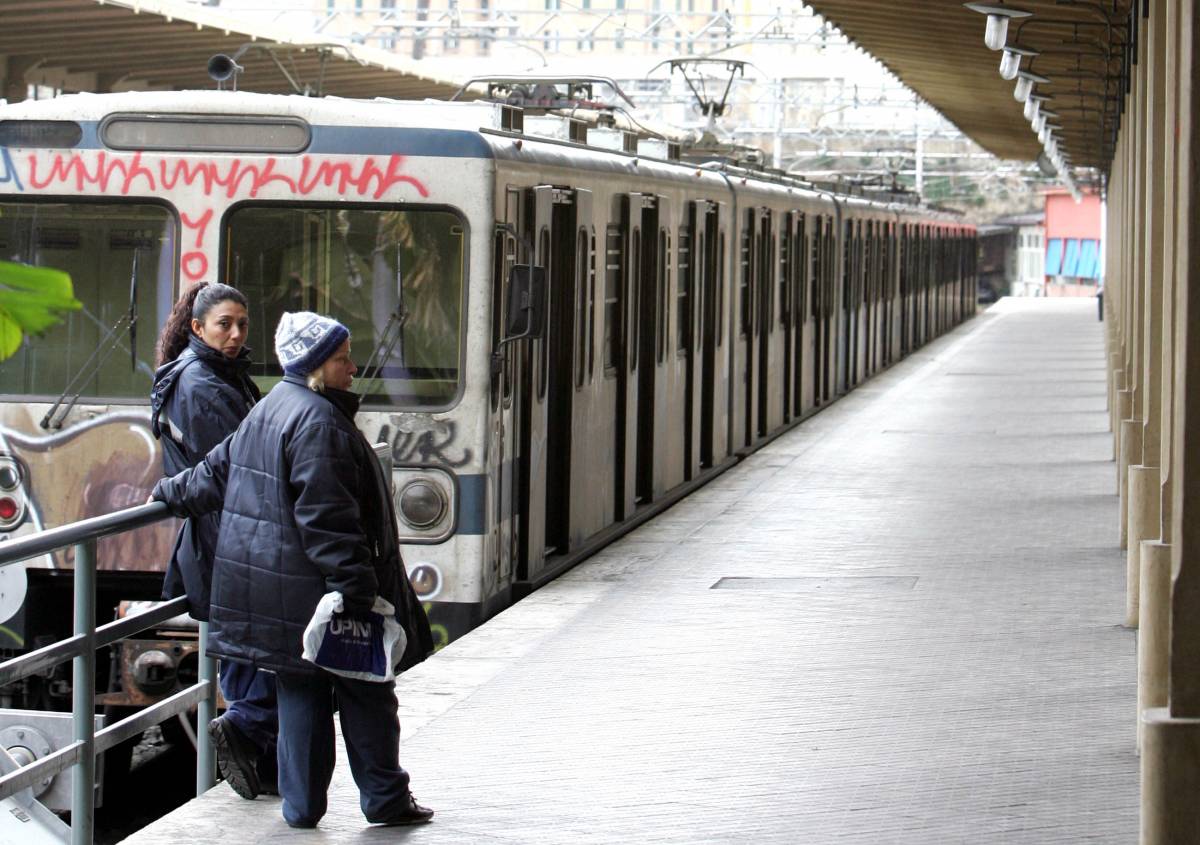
305, 511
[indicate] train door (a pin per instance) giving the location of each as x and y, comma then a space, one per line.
712, 384
585, 428
690, 273
820, 357
798, 270
667, 462
905, 260
649, 336
561, 344
505, 427
786, 298
844, 371
764, 323
617, 357
530, 407
743, 349
545, 442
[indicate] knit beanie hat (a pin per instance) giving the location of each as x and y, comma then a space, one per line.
304, 340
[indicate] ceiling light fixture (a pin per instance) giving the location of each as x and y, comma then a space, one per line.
997, 22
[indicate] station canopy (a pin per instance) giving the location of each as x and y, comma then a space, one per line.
105, 45
936, 47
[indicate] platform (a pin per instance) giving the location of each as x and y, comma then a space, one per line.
898, 623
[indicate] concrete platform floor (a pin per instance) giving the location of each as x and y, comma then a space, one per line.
899, 623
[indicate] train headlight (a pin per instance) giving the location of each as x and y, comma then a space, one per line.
426, 500
422, 504
12, 502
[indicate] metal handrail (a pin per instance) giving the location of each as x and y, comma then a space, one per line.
81, 649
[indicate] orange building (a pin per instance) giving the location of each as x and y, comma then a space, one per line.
1073, 248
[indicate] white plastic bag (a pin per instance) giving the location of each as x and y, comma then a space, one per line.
366, 646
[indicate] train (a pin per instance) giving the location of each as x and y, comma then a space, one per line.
563, 325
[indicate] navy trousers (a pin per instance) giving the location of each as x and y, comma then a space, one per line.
250, 695
370, 728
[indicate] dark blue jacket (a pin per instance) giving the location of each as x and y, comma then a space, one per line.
196, 401
305, 511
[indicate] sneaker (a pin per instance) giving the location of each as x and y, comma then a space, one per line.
236, 757
411, 813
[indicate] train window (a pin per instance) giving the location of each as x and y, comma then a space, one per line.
744, 280
660, 281
195, 133
614, 261
499, 268
591, 302
719, 285
632, 340
799, 266
581, 306
543, 344
96, 243
785, 269
40, 133
683, 274
363, 266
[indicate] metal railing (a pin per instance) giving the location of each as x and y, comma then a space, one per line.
80, 754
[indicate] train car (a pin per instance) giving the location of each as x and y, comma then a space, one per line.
564, 327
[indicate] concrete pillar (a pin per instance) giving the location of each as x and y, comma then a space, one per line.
1170, 779
1143, 511
1171, 735
12, 79
1131, 455
1143, 525
1154, 630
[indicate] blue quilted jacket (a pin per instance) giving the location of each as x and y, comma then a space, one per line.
305, 511
196, 402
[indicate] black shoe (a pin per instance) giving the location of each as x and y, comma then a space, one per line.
236, 757
411, 813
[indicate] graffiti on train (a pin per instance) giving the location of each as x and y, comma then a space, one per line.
105, 463
228, 177
415, 441
8, 171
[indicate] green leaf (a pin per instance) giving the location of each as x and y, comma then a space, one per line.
31, 301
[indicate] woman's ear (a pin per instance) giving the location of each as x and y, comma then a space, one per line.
196, 327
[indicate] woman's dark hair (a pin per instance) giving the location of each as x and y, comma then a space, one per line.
195, 304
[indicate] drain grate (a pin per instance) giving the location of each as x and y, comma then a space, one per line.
847, 583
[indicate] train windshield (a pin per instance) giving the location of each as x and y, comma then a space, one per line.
393, 276
97, 244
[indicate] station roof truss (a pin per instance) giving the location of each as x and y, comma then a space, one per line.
1084, 49
102, 45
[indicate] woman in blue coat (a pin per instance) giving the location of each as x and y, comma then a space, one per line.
305, 511
202, 392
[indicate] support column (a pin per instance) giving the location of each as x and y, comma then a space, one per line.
12, 79
1141, 116
1154, 631
1171, 735
1144, 477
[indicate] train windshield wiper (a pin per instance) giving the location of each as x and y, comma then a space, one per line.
393, 336
127, 324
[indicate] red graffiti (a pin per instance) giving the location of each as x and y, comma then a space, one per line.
343, 173
195, 263
230, 177
200, 225
210, 174
64, 171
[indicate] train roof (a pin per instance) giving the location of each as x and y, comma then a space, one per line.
488, 129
